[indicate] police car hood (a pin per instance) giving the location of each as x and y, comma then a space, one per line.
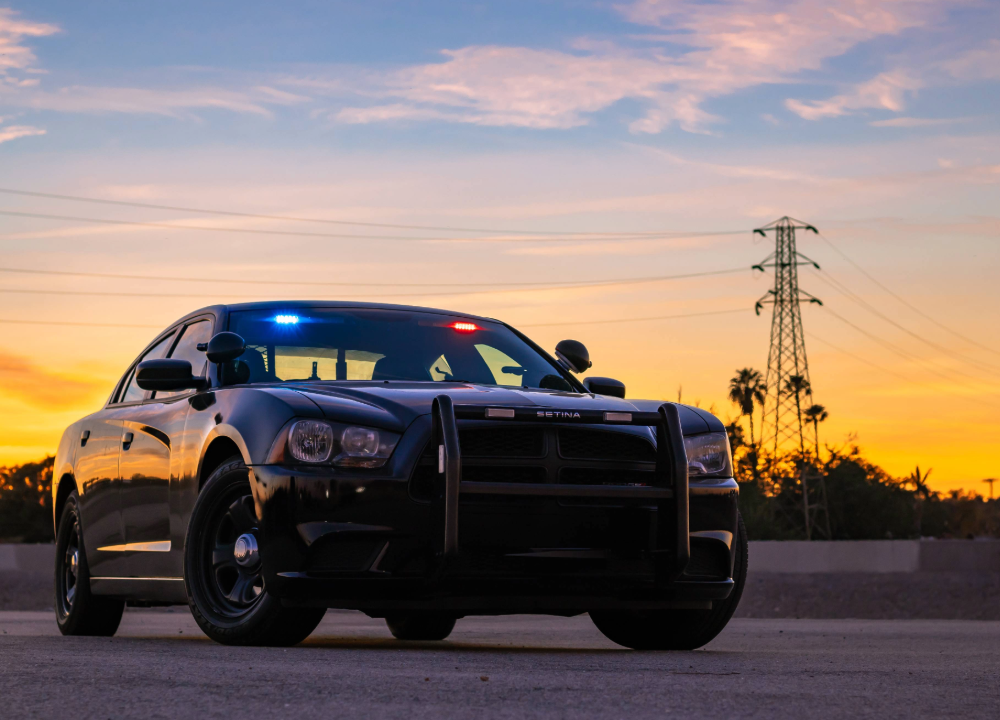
394, 405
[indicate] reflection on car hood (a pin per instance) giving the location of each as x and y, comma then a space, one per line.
394, 405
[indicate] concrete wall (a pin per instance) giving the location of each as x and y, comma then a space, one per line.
789, 556
30, 559
875, 556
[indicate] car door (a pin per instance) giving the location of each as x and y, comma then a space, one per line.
146, 459
96, 469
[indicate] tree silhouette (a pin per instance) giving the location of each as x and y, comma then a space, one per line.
798, 386
816, 414
746, 390
921, 493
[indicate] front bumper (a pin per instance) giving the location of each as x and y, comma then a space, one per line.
360, 540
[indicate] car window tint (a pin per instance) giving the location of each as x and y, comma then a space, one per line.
351, 344
133, 393
506, 370
310, 363
440, 369
361, 364
187, 349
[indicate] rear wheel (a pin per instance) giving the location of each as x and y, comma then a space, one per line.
420, 626
78, 611
676, 629
222, 570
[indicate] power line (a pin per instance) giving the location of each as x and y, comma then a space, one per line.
564, 283
844, 290
885, 343
584, 322
859, 358
295, 233
908, 304
452, 293
232, 213
639, 319
977, 401
78, 324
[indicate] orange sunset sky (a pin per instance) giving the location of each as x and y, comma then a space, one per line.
687, 126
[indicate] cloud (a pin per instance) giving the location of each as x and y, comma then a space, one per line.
889, 90
22, 380
911, 122
149, 101
886, 91
14, 55
748, 172
977, 64
702, 51
695, 52
13, 132
523, 87
18, 91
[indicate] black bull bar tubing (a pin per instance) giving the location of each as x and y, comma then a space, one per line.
669, 490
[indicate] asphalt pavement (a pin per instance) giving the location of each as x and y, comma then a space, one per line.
161, 666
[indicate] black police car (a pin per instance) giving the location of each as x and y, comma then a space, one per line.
264, 462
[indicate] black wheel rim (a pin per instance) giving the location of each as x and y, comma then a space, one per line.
70, 571
235, 589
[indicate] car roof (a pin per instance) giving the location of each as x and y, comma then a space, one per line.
221, 310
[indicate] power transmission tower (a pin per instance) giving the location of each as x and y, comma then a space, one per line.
787, 378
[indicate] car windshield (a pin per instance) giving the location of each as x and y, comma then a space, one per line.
372, 344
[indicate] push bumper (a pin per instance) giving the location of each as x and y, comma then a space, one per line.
395, 554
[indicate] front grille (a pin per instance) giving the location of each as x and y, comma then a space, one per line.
605, 476
520, 454
600, 445
504, 474
505, 442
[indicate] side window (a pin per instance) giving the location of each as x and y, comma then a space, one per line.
506, 370
187, 349
132, 392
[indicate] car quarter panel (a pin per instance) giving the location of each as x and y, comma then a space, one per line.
62, 467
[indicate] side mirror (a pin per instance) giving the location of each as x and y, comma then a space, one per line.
605, 386
167, 374
223, 347
573, 355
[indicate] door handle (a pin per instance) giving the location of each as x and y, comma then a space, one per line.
127, 441
84, 437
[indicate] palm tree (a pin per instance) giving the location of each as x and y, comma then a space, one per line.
746, 389
816, 414
921, 493
798, 386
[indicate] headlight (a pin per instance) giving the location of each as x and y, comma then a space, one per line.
316, 441
708, 455
310, 441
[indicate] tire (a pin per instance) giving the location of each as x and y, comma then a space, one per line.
78, 611
420, 626
228, 600
676, 629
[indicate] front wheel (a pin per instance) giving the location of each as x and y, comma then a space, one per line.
78, 612
676, 629
222, 570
